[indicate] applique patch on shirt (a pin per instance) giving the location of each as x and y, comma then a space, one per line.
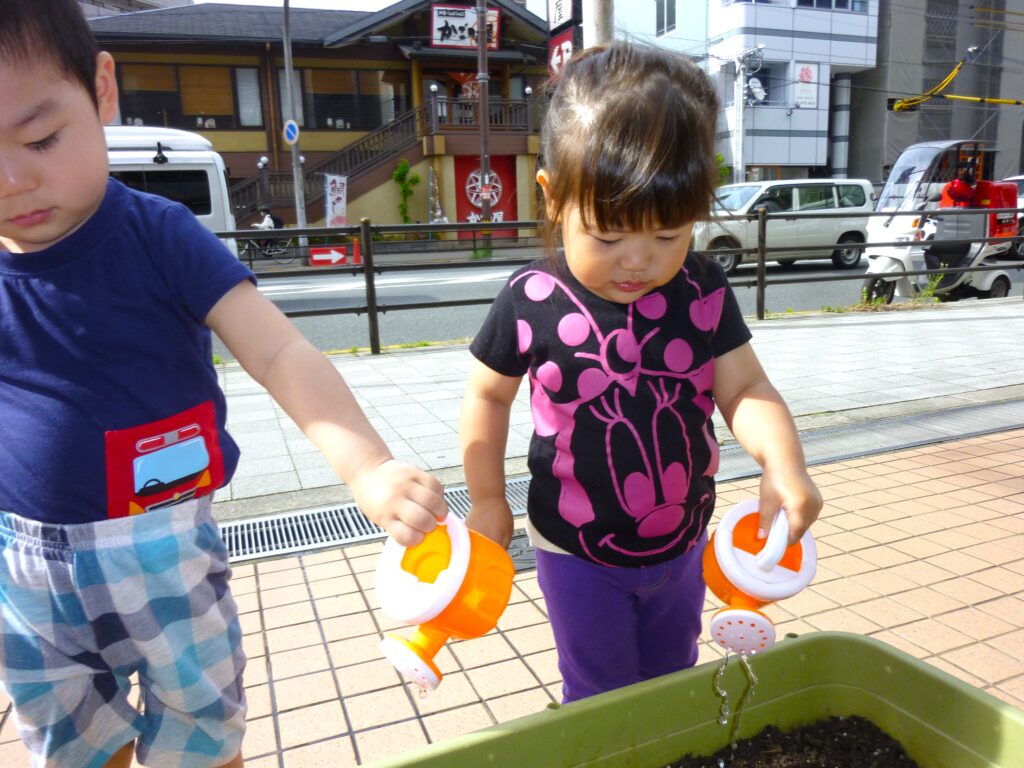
163, 463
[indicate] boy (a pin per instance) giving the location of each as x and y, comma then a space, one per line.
113, 429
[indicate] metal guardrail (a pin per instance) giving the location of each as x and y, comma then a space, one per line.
483, 243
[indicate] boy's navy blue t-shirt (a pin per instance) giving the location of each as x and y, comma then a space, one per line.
109, 401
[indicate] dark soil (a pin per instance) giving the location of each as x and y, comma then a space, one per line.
836, 742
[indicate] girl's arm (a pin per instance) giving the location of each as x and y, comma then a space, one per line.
755, 412
403, 500
484, 434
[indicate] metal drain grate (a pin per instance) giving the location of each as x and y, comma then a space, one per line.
306, 530
312, 529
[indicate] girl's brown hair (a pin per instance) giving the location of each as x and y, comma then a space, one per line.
629, 139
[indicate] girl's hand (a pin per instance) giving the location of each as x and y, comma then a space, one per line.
402, 499
493, 519
797, 494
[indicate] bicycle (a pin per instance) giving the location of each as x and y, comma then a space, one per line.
283, 251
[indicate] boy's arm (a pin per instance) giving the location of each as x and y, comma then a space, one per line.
484, 434
398, 497
755, 412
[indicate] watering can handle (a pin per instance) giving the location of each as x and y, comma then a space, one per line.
775, 546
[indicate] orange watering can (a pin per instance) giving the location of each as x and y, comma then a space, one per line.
454, 583
747, 573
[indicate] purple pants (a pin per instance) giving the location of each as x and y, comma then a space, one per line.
617, 626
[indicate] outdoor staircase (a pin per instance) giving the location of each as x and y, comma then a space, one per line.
399, 137
355, 159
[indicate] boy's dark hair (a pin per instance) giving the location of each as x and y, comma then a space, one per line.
629, 138
55, 29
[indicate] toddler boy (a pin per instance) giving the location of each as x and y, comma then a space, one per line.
113, 429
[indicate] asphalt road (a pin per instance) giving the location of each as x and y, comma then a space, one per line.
413, 327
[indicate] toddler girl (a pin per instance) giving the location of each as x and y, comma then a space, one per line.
629, 342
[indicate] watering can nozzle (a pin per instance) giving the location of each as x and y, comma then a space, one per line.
747, 573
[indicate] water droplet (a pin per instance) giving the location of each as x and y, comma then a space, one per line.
423, 692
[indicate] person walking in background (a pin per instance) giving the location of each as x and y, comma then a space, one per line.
114, 436
629, 342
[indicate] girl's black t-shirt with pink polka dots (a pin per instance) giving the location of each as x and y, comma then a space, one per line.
623, 453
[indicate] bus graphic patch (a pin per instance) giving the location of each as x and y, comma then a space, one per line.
163, 463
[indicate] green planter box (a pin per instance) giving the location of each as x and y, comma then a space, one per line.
941, 721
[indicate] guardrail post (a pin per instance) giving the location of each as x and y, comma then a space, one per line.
762, 229
371, 288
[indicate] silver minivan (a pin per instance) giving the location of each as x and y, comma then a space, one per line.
790, 201
179, 165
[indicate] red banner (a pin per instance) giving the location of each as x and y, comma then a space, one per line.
471, 188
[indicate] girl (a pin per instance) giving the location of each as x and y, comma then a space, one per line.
629, 342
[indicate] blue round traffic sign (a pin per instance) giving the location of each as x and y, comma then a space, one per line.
290, 132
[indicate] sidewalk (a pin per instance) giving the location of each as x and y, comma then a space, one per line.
921, 548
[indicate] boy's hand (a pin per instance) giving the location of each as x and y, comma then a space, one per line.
493, 519
797, 494
402, 499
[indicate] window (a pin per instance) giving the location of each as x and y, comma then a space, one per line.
665, 16
776, 199
250, 105
191, 188
857, 6
349, 99
816, 197
851, 196
193, 97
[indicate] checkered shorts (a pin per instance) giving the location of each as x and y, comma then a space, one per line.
83, 607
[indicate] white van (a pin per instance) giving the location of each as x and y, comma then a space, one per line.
178, 165
795, 198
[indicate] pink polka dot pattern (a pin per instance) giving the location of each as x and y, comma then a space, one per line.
678, 356
652, 306
525, 333
573, 329
539, 287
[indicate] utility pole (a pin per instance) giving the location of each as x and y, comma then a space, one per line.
483, 79
747, 62
604, 22
298, 178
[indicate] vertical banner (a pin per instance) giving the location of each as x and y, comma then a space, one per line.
805, 89
335, 200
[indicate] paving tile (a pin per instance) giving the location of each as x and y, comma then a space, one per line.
544, 666
528, 640
340, 605
379, 743
887, 612
516, 705
986, 663
511, 676
355, 650
312, 723
298, 662
367, 676
842, 620
377, 708
489, 649
932, 635
272, 598
457, 722
331, 753
303, 690
288, 615
454, 691
968, 590
292, 637
332, 586
343, 627
920, 572
976, 624
259, 737
257, 701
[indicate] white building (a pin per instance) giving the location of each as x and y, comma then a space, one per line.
796, 106
920, 42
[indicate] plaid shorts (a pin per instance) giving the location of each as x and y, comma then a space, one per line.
83, 607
